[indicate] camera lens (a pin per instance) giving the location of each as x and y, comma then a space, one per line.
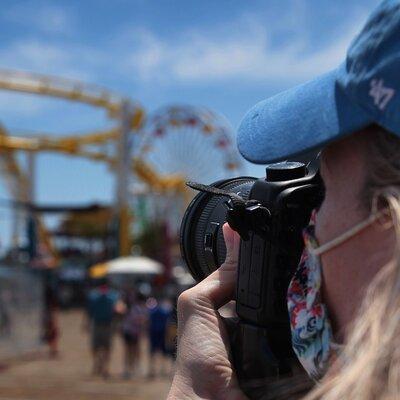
202, 242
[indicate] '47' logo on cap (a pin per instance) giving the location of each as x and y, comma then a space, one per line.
381, 94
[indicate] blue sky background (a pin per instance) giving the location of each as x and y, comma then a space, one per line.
225, 55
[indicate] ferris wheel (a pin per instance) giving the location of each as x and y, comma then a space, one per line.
192, 142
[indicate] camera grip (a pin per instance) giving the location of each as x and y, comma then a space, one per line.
260, 374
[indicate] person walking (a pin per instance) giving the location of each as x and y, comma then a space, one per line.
133, 326
159, 314
102, 306
50, 328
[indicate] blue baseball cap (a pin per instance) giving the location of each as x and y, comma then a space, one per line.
365, 89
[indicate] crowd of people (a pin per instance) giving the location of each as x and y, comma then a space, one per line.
136, 318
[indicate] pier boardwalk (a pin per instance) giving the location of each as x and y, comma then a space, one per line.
68, 377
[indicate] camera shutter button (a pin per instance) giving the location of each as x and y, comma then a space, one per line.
285, 171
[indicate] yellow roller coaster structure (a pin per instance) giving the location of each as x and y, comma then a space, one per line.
129, 117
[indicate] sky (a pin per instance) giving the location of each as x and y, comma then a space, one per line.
224, 55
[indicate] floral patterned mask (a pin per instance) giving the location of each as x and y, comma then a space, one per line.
312, 337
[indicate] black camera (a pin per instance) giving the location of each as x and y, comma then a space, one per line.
269, 214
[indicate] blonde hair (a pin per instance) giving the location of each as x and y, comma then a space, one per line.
369, 366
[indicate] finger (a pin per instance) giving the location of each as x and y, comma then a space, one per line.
232, 243
219, 287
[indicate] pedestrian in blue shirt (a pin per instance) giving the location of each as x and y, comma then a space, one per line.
103, 304
159, 314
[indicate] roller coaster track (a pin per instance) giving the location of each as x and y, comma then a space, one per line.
88, 145
114, 104
62, 88
77, 145
16, 180
18, 185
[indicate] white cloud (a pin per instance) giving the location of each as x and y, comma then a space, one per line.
52, 58
70, 61
247, 52
47, 18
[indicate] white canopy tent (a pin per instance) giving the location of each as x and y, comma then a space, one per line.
134, 265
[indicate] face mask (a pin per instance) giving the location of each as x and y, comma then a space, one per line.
312, 337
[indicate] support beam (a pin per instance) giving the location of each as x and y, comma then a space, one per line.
124, 146
31, 217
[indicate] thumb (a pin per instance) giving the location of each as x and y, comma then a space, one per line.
232, 243
219, 287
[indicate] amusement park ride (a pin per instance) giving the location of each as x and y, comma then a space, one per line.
163, 151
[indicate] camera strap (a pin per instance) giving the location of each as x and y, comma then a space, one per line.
243, 215
237, 200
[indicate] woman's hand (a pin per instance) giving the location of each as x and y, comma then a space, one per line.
204, 370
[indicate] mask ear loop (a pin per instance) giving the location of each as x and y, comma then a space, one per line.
375, 216
386, 217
